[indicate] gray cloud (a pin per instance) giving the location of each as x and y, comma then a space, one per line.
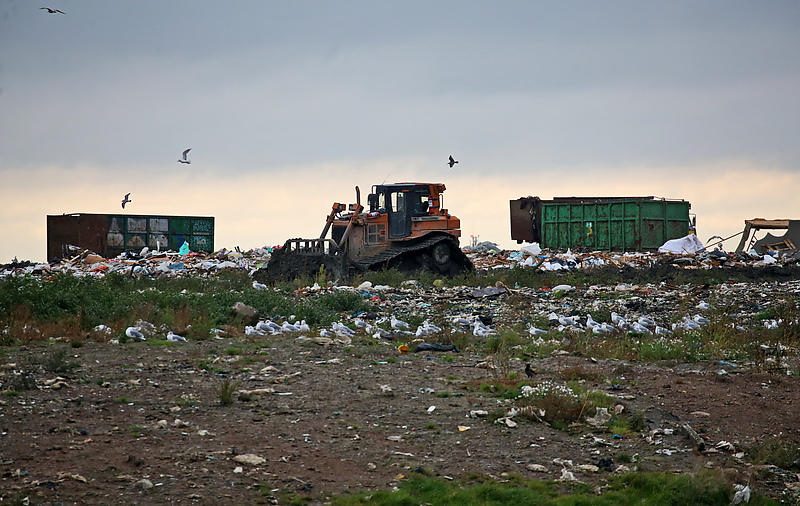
509, 85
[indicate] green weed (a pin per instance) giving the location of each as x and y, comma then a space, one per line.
225, 391
57, 362
703, 489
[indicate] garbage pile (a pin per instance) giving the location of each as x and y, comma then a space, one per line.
151, 263
687, 253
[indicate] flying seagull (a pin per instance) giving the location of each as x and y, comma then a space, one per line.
184, 159
452, 161
126, 200
52, 11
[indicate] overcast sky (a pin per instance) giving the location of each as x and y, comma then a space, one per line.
288, 105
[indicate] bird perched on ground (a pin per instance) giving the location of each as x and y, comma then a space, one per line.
618, 321
380, 333
259, 286
341, 330
126, 200
686, 324
253, 331
184, 158
701, 320
362, 325
661, 331
647, 322
536, 332
461, 321
452, 161
399, 324
290, 327
52, 11
175, 338
304, 327
134, 333
640, 329
269, 326
530, 372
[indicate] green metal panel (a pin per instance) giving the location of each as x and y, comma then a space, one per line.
180, 225
203, 226
132, 233
613, 225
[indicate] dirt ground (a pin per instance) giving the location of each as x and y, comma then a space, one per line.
142, 423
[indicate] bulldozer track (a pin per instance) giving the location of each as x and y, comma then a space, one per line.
376, 260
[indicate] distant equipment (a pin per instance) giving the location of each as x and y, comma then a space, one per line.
600, 223
111, 234
405, 227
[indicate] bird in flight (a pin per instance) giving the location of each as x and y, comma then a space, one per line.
52, 11
126, 200
184, 158
452, 161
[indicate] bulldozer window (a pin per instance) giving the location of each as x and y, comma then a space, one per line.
398, 202
421, 204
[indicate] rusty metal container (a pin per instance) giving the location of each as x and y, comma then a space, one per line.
599, 223
111, 234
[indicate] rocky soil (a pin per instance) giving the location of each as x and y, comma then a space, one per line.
143, 423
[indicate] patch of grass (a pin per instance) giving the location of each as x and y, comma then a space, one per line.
12, 393
703, 489
57, 362
558, 401
624, 458
778, 451
225, 391
578, 372
21, 382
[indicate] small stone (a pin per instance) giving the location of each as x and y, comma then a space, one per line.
144, 484
537, 468
249, 458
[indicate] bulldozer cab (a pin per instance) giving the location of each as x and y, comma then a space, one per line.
401, 202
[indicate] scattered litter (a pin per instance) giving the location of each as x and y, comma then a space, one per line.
436, 347
742, 494
600, 419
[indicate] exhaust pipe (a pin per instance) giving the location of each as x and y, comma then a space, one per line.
358, 196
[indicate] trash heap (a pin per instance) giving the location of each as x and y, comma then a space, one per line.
488, 255
686, 253
150, 263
